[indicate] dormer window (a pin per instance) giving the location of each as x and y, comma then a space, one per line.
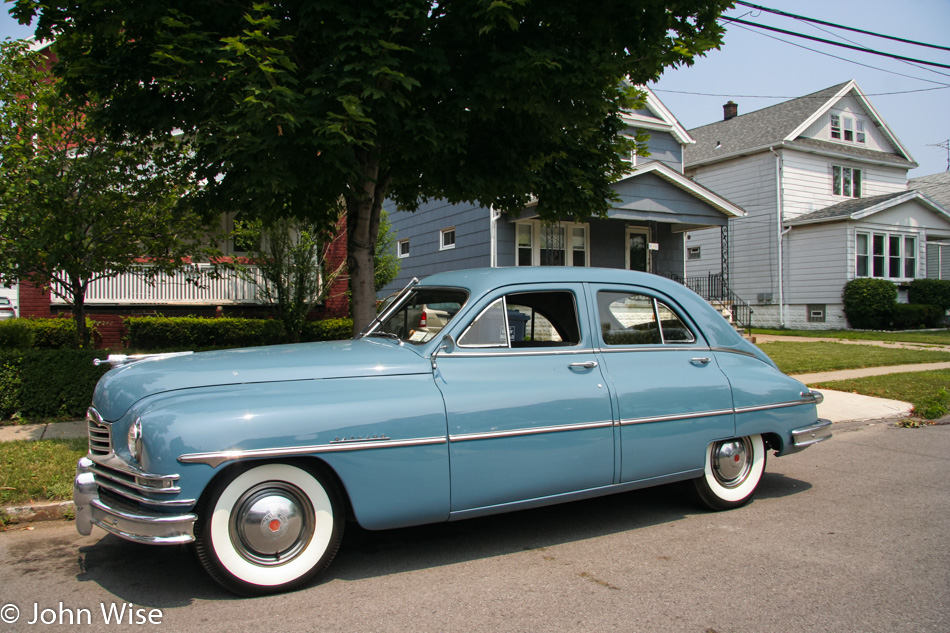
836, 127
847, 129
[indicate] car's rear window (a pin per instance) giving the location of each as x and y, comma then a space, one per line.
636, 319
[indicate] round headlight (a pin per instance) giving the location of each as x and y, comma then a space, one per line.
135, 439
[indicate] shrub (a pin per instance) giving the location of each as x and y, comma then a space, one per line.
181, 333
327, 330
40, 334
48, 383
932, 292
907, 316
869, 303
16, 334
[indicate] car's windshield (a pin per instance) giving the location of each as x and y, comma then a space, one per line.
422, 315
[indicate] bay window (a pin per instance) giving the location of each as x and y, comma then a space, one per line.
885, 255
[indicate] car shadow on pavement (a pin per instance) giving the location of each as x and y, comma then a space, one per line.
169, 577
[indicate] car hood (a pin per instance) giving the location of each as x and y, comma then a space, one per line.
122, 387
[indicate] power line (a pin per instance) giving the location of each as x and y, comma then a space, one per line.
825, 98
841, 26
824, 41
844, 59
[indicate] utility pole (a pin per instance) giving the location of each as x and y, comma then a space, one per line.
946, 146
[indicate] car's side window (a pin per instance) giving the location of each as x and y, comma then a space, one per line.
526, 319
635, 319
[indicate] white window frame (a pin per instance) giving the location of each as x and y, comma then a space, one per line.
906, 259
400, 253
443, 234
535, 226
692, 251
840, 191
835, 127
848, 129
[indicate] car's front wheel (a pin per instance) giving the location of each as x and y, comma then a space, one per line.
269, 528
733, 471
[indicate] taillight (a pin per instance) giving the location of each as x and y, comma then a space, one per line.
422, 319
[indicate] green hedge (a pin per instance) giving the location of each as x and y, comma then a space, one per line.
327, 330
869, 303
931, 292
908, 316
48, 383
40, 333
199, 333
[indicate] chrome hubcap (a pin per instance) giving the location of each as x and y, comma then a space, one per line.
731, 461
272, 523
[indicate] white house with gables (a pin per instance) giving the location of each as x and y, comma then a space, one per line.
823, 181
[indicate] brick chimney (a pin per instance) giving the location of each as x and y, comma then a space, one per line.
730, 110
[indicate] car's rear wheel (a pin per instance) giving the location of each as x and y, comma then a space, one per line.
732, 473
269, 528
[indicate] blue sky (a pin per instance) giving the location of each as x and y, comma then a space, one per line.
752, 66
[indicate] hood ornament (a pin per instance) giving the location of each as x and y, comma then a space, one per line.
117, 360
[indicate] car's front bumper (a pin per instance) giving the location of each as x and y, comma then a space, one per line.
126, 520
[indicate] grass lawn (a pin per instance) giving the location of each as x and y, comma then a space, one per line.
38, 471
928, 391
937, 337
806, 358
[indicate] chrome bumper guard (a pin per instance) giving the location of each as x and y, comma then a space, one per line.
812, 434
125, 520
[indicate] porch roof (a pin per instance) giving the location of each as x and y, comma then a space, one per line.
655, 192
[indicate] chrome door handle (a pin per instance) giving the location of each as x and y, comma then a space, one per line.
700, 362
590, 364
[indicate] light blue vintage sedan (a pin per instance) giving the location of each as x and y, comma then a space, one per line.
541, 386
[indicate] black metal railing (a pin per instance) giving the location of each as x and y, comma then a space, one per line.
714, 289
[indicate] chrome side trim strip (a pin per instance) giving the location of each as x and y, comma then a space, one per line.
555, 351
777, 405
216, 458
728, 350
668, 347
680, 416
490, 435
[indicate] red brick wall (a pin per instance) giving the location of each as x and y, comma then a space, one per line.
34, 301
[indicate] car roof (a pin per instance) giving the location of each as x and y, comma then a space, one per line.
478, 280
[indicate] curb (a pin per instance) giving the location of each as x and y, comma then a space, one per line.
52, 511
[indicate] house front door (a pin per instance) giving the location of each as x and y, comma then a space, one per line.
638, 249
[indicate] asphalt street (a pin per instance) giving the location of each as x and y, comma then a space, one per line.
850, 535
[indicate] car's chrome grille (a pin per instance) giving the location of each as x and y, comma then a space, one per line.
100, 435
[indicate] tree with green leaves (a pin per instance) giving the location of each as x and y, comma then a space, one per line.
296, 103
76, 207
385, 261
290, 255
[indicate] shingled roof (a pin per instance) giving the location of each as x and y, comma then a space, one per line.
858, 208
776, 126
937, 186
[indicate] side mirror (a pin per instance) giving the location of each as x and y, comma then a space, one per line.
447, 344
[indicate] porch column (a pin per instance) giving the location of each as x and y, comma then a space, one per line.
724, 253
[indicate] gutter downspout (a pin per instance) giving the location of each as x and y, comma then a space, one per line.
493, 237
778, 233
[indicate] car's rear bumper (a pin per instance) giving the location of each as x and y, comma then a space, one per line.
805, 436
125, 520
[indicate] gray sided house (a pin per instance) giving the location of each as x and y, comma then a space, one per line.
645, 231
823, 180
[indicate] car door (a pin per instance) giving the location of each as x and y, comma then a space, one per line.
529, 414
672, 397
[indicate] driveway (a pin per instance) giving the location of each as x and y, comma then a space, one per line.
850, 535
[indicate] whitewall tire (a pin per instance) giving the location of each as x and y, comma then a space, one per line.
732, 473
269, 528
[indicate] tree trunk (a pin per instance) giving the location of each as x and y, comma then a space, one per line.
363, 210
78, 292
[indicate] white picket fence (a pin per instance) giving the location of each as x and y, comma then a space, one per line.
196, 284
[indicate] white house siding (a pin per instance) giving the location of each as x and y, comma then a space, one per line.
850, 107
817, 262
807, 181
750, 183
